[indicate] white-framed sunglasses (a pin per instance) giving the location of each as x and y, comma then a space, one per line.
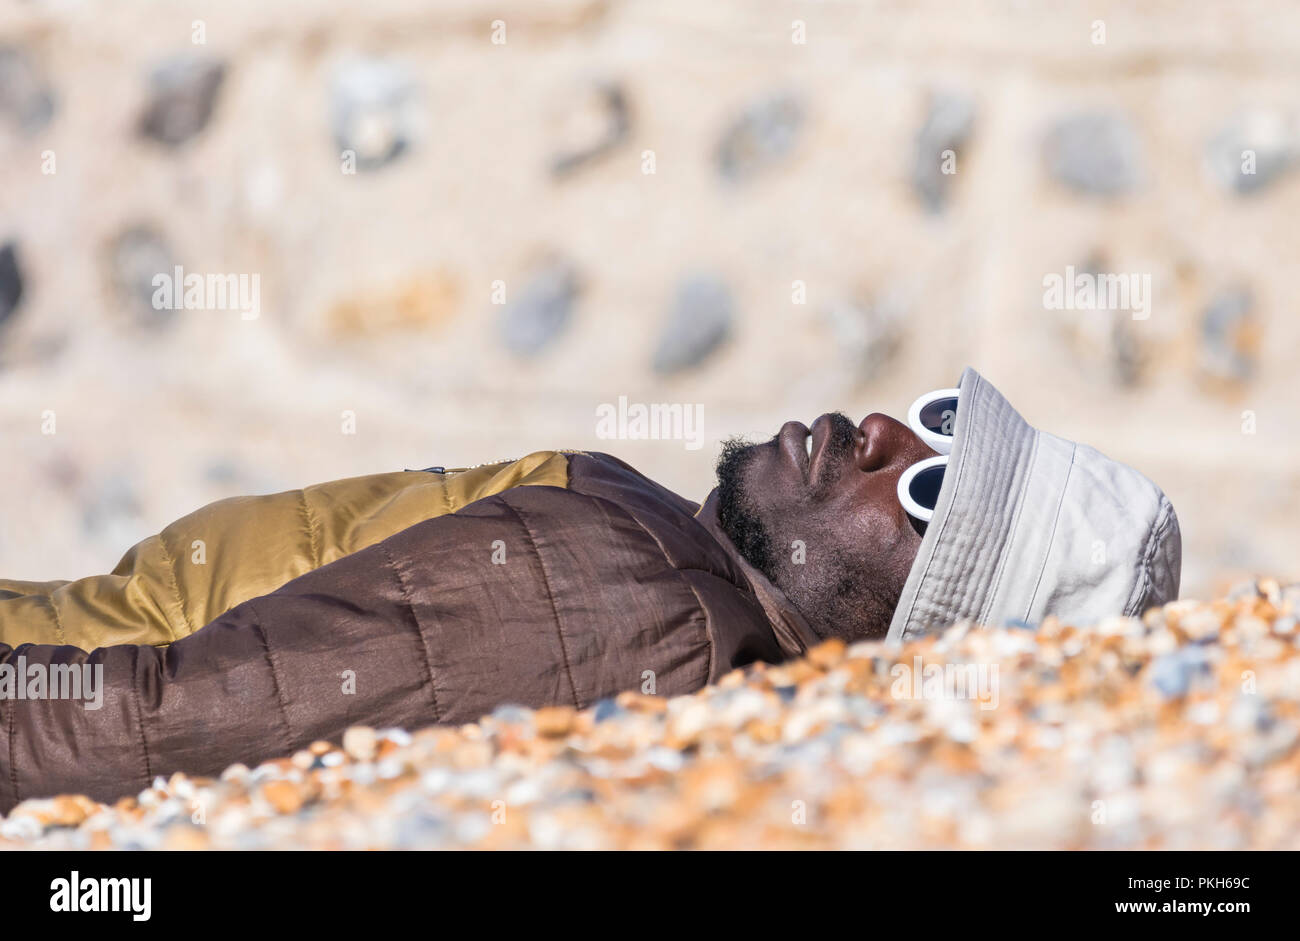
932, 417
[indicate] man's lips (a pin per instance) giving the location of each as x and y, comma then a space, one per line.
805, 448
877, 445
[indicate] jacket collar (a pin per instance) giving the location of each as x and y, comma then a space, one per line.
789, 626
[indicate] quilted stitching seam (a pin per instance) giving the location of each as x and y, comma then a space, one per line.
139, 715
1159, 526
407, 599
13, 765
550, 595
275, 676
59, 633
170, 562
309, 521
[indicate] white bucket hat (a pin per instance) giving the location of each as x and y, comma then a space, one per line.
1028, 524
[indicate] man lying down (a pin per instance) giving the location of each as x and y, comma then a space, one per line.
257, 625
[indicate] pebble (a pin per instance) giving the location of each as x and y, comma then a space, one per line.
182, 94
417, 301
639, 702
1172, 674
26, 98
396, 738
760, 137
605, 709
827, 654
698, 323
236, 772
360, 743
374, 111
1255, 149
589, 125
284, 796
1125, 734
135, 257
1095, 153
62, 811
11, 281
947, 127
554, 721
1230, 336
538, 316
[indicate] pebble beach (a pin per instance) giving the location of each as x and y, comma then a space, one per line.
1180, 730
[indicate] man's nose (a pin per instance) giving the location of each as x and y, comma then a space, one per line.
880, 440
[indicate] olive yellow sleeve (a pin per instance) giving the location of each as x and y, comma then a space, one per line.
172, 583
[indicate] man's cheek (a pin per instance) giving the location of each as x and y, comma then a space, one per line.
880, 525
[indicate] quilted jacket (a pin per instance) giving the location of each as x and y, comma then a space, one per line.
255, 626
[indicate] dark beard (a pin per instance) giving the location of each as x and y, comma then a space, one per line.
855, 608
735, 513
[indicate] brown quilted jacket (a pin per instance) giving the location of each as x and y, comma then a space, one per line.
589, 581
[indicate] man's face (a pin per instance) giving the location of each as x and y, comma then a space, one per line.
816, 511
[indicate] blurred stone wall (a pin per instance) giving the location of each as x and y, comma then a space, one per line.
740, 204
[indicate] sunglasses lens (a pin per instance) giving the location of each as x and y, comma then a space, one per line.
925, 487
938, 415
